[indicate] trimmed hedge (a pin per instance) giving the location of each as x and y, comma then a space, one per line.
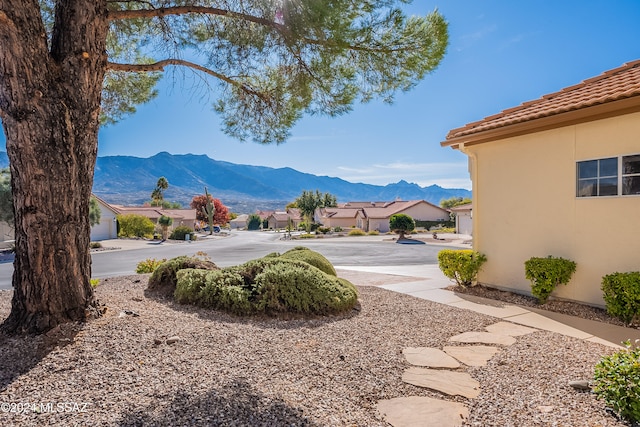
267, 285
310, 257
617, 381
461, 265
621, 293
547, 273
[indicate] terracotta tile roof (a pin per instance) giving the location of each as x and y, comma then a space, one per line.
613, 85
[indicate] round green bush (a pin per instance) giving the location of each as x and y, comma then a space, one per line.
310, 257
164, 278
180, 231
621, 294
617, 381
267, 285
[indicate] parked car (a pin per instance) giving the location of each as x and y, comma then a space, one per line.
216, 228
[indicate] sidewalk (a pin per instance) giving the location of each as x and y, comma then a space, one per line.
432, 284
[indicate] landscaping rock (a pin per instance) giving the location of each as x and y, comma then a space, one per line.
430, 357
483, 338
417, 411
174, 339
448, 382
474, 355
580, 385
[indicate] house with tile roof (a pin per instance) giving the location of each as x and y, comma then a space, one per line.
282, 219
370, 216
559, 176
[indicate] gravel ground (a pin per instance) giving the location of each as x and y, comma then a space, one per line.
230, 371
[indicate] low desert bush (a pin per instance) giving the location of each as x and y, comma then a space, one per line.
164, 278
337, 229
148, 265
373, 233
356, 232
316, 259
94, 282
271, 285
621, 293
307, 236
95, 245
546, 274
181, 231
617, 381
133, 225
462, 265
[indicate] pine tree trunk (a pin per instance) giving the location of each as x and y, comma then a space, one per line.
49, 105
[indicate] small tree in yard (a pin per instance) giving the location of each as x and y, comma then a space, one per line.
401, 224
220, 213
94, 212
253, 222
68, 66
165, 222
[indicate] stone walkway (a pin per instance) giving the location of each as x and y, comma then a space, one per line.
443, 370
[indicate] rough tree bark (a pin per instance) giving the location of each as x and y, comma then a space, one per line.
49, 105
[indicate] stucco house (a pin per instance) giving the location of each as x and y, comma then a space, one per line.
282, 219
371, 216
108, 227
464, 218
239, 222
559, 176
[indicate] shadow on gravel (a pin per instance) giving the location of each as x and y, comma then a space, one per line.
235, 404
20, 353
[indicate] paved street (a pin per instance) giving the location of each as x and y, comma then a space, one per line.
241, 246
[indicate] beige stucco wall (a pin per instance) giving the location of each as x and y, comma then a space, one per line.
525, 205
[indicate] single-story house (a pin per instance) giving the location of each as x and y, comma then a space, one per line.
239, 222
464, 218
374, 216
108, 227
559, 176
283, 219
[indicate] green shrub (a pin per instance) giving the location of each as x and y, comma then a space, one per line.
622, 295
356, 232
94, 282
617, 381
95, 245
547, 273
181, 231
310, 257
164, 278
270, 285
337, 229
324, 230
307, 236
429, 225
133, 225
461, 265
373, 233
148, 265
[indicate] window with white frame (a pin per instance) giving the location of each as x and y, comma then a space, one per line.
612, 176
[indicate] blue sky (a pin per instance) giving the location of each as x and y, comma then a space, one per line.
501, 54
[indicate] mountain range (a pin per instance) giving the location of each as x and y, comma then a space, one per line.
128, 180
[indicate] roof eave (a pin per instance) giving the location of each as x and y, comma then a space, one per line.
583, 115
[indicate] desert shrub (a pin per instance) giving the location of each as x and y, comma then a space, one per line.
310, 257
462, 265
617, 381
324, 230
164, 278
270, 285
95, 245
373, 233
337, 229
133, 225
294, 287
180, 231
356, 232
148, 265
547, 273
307, 236
621, 293
94, 282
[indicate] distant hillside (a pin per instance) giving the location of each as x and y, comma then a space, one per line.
243, 188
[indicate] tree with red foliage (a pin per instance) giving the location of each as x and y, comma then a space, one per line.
222, 212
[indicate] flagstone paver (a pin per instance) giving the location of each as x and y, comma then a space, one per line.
420, 411
430, 357
472, 355
448, 382
511, 329
483, 338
